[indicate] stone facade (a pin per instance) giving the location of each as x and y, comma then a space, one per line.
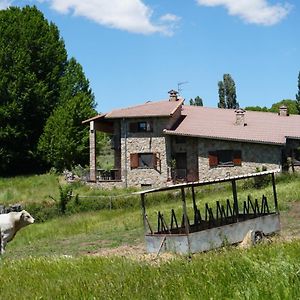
194, 151
189, 146
253, 156
144, 142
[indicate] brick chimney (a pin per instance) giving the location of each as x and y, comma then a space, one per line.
240, 117
283, 111
173, 95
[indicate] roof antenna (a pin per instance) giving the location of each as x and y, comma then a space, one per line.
179, 84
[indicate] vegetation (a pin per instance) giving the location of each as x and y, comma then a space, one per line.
55, 259
263, 272
298, 95
37, 82
70, 146
290, 104
197, 101
227, 93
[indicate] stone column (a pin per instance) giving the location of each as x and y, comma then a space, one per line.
92, 151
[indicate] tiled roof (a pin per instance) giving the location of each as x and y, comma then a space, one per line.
216, 123
163, 108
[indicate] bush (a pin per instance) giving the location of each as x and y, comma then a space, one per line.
42, 211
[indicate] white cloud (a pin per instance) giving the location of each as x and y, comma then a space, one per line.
170, 18
5, 4
252, 11
130, 15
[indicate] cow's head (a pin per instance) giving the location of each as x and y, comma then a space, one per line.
26, 218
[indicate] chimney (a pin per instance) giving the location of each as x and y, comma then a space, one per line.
240, 117
283, 111
173, 95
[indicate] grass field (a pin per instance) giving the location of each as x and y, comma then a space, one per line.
69, 257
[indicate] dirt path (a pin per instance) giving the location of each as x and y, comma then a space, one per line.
290, 221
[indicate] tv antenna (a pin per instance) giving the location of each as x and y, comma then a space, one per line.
179, 84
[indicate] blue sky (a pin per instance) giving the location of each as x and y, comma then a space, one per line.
133, 51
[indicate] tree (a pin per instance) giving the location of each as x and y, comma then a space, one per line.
298, 95
222, 102
197, 101
64, 142
257, 108
290, 104
227, 93
32, 60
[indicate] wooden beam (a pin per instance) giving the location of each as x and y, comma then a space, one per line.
144, 212
235, 199
186, 223
274, 193
194, 199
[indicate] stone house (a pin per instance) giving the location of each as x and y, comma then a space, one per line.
158, 143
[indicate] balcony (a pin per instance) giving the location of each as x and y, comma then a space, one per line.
108, 175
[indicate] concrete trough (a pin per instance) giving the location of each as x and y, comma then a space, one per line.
229, 224
211, 238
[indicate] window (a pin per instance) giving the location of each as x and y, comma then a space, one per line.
180, 139
145, 161
225, 158
144, 126
296, 156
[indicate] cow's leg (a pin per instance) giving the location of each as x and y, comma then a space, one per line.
2, 243
1, 246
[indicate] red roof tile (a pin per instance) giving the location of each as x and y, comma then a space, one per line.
216, 123
163, 108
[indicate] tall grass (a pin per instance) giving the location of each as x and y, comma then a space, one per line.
37, 194
28, 189
263, 272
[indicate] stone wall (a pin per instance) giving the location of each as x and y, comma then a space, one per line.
189, 146
253, 156
144, 142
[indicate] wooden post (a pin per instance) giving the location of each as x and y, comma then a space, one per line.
144, 212
274, 192
235, 200
186, 223
194, 200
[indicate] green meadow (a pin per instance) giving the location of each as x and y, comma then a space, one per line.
70, 256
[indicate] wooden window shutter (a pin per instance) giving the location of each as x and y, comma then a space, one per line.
213, 158
133, 127
134, 160
237, 157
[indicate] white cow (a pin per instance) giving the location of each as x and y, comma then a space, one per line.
10, 224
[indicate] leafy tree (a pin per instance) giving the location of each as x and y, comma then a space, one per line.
298, 95
197, 101
222, 103
257, 108
32, 60
227, 93
64, 142
290, 104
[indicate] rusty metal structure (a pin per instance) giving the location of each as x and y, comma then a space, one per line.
227, 223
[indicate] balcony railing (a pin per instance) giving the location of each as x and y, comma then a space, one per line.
178, 174
108, 175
